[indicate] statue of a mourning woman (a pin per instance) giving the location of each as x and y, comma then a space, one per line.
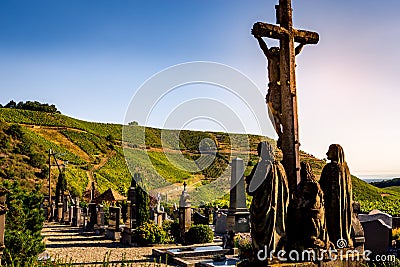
268, 185
310, 203
337, 187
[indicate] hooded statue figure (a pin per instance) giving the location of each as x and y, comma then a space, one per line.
310, 201
337, 187
268, 185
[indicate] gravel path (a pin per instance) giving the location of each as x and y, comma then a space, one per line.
70, 244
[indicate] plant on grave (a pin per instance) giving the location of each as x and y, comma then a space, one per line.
173, 233
243, 242
149, 233
199, 234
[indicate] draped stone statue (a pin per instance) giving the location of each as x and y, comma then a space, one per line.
310, 201
337, 187
268, 185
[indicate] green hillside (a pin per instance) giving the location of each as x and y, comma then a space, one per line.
95, 152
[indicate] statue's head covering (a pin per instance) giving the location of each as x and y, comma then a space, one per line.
306, 172
265, 151
335, 153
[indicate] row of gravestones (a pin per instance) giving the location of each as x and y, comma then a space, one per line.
377, 225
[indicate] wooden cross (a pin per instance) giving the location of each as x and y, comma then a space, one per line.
287, 36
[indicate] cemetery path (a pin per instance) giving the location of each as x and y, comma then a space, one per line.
71, 244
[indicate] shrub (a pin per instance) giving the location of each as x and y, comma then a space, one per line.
243, 241
15, 130
149, 233
396, 234
199, 234
171, 228
24, 221
142, 202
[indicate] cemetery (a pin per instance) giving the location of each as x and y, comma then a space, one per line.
279, 213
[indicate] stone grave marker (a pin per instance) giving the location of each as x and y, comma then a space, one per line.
238, 214
99, 227
92, 216
375, 215
185, 211
220, 223
377, 231
198, 218
378, 236
113, 231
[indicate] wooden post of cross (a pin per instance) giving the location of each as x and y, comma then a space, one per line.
287, 35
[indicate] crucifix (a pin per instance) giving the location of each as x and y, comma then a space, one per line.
284, 87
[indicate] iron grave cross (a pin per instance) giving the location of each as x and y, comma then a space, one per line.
287, 35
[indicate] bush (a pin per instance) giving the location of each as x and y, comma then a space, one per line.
396, 234
199, 234
171, 228
142, 205
24, 222
149, 233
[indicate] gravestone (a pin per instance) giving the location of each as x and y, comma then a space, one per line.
220, 223
71, 215
158, 213
238, 214
130, 222
99, 226
84, 217
378, 236
131, 205
375, 215
377, 230
92, 216
65, 210
113, 231
59, 212
159, 217
185, 211
76, 214
198, 218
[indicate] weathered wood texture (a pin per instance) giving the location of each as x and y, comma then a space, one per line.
276, 32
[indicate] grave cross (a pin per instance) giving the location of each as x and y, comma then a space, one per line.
287, 35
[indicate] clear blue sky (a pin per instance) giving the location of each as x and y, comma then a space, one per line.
89, 58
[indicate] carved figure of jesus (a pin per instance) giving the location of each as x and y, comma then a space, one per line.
273, 97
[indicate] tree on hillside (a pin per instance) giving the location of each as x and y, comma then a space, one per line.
11, 104
33, 105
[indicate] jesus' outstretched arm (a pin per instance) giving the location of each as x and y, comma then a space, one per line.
262, 44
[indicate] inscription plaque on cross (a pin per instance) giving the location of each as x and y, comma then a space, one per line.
287, 35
